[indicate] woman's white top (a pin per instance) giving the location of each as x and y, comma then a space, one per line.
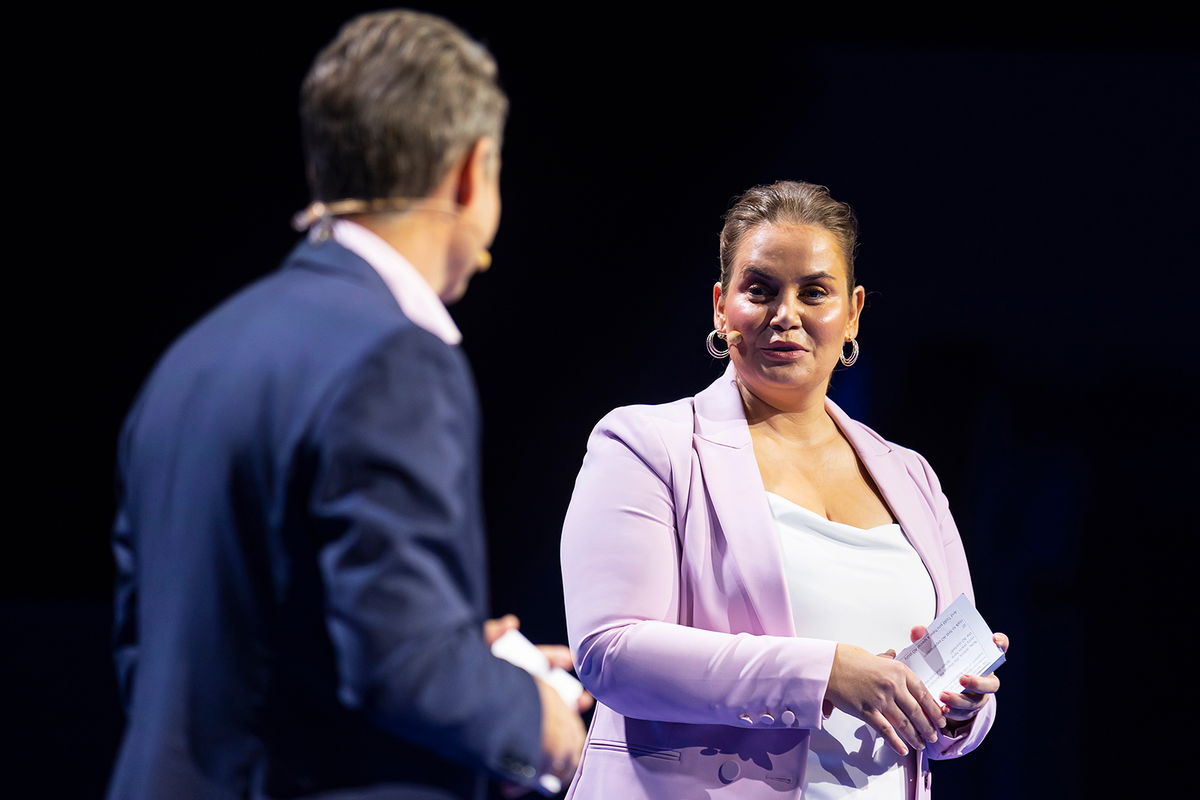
861, 586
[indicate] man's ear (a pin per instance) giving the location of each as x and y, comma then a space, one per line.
473, 168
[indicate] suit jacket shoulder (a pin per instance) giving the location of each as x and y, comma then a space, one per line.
657, 434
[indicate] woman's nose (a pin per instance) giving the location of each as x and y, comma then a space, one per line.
787, 314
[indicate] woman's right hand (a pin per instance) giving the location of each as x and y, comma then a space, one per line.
886, 695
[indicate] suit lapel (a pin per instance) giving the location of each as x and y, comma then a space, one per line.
735, 490
734, 487
891, 476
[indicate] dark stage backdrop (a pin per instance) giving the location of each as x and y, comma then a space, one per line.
1028, 242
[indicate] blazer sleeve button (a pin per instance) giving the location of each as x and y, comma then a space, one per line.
788, 717
729, 772
746, 719
766, 719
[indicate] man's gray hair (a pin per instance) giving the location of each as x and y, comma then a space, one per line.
392, 102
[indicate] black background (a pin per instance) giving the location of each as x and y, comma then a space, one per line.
1026, 194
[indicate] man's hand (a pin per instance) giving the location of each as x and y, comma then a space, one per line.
562, 735
559, 655
562, 729
493, 629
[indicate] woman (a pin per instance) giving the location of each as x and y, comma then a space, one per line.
733, 561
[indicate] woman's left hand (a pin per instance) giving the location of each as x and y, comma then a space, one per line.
959, 707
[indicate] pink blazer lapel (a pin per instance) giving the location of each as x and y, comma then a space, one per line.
735, 490
891, 474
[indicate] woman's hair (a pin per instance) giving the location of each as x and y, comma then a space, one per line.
788, 202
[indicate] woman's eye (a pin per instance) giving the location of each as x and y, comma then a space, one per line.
758, 290
813, 293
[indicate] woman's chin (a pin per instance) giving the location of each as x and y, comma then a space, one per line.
795, 375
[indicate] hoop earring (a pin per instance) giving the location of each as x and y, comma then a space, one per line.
850, 359
711, 346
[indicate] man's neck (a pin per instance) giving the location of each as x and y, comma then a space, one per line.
422, 236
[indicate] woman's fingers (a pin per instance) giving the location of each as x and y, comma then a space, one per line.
976, 690
915, 722
907, 722
963, 706
914, 713
884, 728
930, 708
980, 684
903, 724
887, 696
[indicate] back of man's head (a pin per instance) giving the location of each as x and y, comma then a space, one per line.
392, 102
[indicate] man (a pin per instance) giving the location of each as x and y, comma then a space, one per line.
301, 575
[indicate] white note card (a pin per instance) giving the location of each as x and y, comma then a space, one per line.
957, 643
514, 648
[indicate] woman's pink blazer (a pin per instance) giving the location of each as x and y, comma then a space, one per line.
678, 612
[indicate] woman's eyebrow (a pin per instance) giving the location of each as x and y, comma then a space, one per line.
761, 272
764, 272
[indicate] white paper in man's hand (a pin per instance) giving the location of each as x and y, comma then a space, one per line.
957, 643
514, 648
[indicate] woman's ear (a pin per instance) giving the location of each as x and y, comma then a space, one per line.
718, 307
858, 299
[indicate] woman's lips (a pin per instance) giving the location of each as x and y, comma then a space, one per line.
783, 351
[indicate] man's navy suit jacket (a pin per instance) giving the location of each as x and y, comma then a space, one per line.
301, 568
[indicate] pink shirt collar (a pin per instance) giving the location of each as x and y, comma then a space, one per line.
416, 298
